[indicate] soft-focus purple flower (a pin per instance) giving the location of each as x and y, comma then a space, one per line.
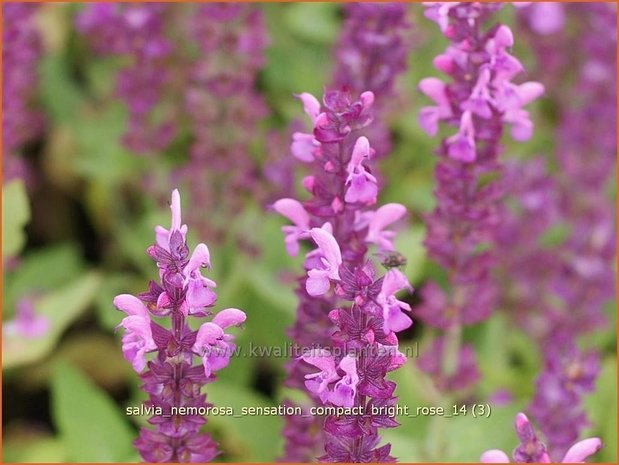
557, 293
304, 146
531, 450
171, 379
26, 323
377, 222
369, 55
544, 18
21, 120
294, 211
429, 117
480, 99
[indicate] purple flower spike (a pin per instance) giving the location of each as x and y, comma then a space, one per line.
558, 293
480, 100
21, 120
370, 55
171, 379
346, 314
531, 450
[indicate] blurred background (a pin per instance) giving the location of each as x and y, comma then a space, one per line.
106, 118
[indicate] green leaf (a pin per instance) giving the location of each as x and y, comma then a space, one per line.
15, 215
36, 449
90, 423
60, 307
313, 22
255, 438
41, 270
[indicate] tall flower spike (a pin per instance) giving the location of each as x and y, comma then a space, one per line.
369, 55
216, 50
21, 121
480, 99
172, 378
531, 450
345, 310
557, 293
135, 31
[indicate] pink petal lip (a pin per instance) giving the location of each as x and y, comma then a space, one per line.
130, 304
230, 317
581, 450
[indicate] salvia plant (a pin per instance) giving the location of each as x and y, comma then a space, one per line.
183, 360
369, 55
557, 293
22, 121
532, 450
510, 242
209, 103
480, 100
348, 316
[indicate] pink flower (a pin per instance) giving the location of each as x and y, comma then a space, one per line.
462, 144
344, 391
329, 261
26, 323
138, 337
162, 235
199, 293
318, 382
304, 147
311, 105
377, 223
393, 318
213, 344
361, 185
430, 116
294, 211
532, 450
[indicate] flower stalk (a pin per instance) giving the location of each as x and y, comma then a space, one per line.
172, 381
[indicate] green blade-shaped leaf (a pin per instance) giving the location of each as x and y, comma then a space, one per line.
90, 423
15, 215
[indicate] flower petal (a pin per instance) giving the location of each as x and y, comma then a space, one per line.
199, 258
229, 317
208, 334
581, 450
311, 105
175, 206
294, 211
131, 305
329, 248
317, 283
494, 456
